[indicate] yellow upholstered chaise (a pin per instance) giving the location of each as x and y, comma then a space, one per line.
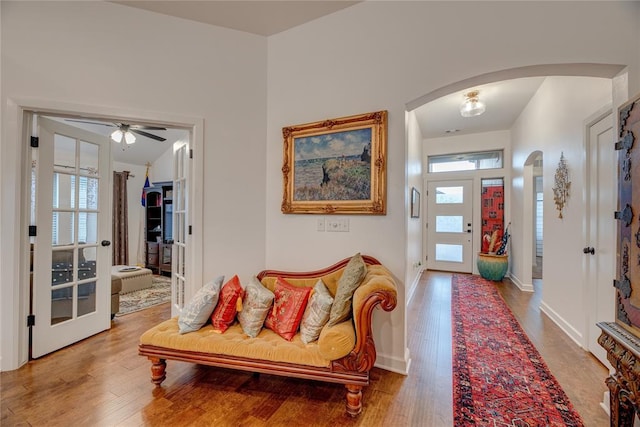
344, 353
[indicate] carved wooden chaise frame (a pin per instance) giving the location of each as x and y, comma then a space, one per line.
351, 370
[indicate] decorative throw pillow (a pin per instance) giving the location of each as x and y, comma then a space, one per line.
347, 284
255, 307
197, 311
229, 302
316, 314
288, 307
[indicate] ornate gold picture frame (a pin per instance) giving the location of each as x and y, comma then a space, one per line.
336, 166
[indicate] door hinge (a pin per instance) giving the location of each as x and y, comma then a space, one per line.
35, 141
625, 215
190, 230
426, 257
31, 320
624, 286
33, 230
191, 153
626, 143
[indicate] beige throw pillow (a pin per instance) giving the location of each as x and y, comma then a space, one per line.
256, 305
353, 274
316, 314
197, 311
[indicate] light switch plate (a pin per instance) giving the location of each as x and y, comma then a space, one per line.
320, 224
338, 224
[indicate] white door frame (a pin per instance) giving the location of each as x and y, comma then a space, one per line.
525, 282
14, 306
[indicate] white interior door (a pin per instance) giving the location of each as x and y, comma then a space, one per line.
602, 231
180, 225
449, 225
72, 275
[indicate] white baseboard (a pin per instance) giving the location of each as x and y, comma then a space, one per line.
605, 404
414, 286
562, 324
524, 287
394, 364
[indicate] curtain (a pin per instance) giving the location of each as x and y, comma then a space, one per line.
120, 219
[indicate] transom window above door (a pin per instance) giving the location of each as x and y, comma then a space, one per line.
466, 161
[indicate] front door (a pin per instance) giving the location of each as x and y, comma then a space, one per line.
602, 231
449, 226
71, 273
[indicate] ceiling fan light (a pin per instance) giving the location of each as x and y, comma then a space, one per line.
117, 135
472, 106
129, 137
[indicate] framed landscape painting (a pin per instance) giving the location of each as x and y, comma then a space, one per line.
336, 166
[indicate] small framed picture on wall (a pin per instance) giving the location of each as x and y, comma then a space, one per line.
415, 203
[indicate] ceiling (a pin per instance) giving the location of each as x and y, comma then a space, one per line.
258, 17
505, 101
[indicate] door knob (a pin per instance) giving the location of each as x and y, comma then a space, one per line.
105, 243
589, 250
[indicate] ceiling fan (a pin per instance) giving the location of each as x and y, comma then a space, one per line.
125, 131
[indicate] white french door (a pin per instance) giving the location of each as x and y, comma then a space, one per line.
180, 225
601, 183
71, 267
449, 225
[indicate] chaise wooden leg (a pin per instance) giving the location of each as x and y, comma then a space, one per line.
354, 399
158, 367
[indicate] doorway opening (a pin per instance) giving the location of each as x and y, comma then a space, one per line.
537, 269
73, 269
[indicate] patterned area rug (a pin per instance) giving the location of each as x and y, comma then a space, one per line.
499, 378
158, 293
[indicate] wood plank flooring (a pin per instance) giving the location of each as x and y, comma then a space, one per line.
101, 381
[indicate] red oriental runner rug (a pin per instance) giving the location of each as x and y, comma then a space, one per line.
499, 378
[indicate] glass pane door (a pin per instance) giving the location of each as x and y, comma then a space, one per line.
180, 226
71, 276
449, 216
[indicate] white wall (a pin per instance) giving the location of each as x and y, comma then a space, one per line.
381, 55
68, 51
554, 123
162, 168
414, 259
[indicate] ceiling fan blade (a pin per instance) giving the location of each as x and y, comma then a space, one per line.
146, 127
91, 123
148, 135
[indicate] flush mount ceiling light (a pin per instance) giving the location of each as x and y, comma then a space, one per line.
472, 106
123, 132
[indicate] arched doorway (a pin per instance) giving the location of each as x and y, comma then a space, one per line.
532, 220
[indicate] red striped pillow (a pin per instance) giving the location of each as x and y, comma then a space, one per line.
288, 308
225, 312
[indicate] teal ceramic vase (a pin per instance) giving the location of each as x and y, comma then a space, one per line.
493, 267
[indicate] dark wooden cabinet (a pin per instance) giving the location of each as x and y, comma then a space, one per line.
621, 339
159, 226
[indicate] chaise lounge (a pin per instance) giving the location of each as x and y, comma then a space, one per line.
344, 353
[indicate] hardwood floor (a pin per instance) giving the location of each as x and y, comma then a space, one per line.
101, 381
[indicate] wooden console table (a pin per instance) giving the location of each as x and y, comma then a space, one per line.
623, 352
